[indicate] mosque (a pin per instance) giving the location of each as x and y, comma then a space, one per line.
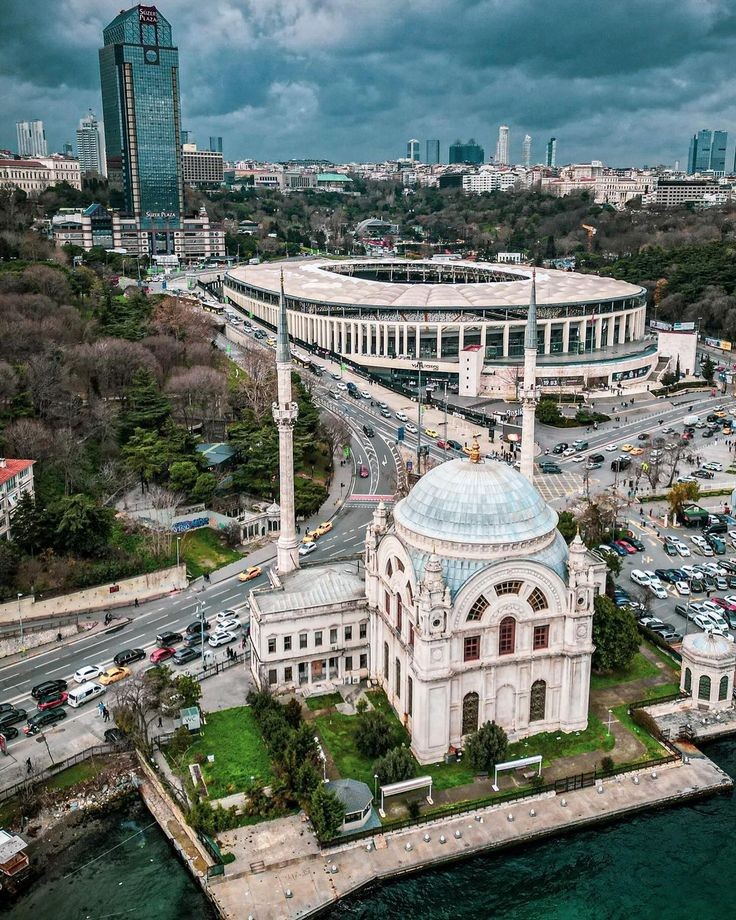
467, 606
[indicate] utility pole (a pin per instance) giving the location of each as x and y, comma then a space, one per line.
419, 420
445, 413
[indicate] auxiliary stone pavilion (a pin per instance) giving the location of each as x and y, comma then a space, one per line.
467, 605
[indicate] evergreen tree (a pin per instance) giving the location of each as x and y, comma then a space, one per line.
486, 747
145, 406
143, 456
31, 526
395, 766
83, 526
615, 636
327, 812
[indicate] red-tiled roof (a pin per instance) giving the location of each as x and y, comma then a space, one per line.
12, 468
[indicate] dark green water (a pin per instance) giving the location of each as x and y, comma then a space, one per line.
664, 865
140, 879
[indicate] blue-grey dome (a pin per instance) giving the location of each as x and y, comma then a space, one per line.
482, 503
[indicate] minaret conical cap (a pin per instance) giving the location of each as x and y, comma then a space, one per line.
283, 353
530, 337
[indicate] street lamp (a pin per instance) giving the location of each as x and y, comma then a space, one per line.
200, 611
420, 367
610, 716
178, 541
375, 786
20, 618
342, 486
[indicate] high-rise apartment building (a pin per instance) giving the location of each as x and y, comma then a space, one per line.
31, 139
90, 146
433, 152
502, 146
187, 137
201, 167
412, 150
526, 151
470, 153
552, 152
139, 72
707, 151
215, 144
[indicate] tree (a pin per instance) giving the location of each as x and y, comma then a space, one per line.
708, 369
327, 812
182, 475
83, 527
548, 412
395, 766
145, 406
566, 525
143, 456
486, 747
681, 494
31, 526
189, 690
374, 733
137, 702
615, 636
204, 488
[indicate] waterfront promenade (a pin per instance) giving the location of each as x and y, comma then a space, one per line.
281, 874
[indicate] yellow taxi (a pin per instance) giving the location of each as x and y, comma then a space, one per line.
322, 529
310, 537
431, 432
250, 573
727, 429
627, 447
271, 342
112, 675
636, 451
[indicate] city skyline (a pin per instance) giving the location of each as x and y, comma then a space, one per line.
272, 81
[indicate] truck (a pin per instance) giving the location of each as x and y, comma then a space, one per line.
691, 420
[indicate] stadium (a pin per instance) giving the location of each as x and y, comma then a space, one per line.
460, 322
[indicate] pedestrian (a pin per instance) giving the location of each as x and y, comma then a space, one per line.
641, 512
160, 722
101, 708
106, 714
298, 529
242, 642
135, 603
29, 766
58, 637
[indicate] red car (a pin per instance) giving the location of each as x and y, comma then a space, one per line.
53, 700
627, 546
161, 654
724, 604
363, 471
443, 445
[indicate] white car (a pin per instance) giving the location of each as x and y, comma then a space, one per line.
710, 609
702, 621
640, 578
682, 587
578, 458
402, 416
720, 624
365, 394
221, 638
681, 548
224, 615
306, 548
730, 598
411, 428
705, 550
611, 447
341, 386
698, 540
686, 479
335, 375
652, 576
89, 672
713, 466
569, 452
691, 570
231, 625
658, 590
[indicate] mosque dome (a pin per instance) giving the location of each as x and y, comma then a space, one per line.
708, 645
485, 503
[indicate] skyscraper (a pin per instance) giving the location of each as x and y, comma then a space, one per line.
187, 137
502, 146
470, 153
433, 152
552, 152
90, 148
526, 151
215, 144
707, 151
718, 152
139, 72
31, 139
412, 150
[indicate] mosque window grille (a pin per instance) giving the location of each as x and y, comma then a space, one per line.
508, 587
507, 636
477, 610
537, 601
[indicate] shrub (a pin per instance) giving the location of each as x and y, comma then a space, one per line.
395, 766
293, 713
414, 807
200, 757
607, 765
374, 733
486, 747
181, 741
326, 812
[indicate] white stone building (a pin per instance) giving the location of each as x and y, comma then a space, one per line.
16, 479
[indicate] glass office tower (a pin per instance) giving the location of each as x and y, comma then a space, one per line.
139, 73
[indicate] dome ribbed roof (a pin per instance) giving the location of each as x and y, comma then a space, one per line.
482, 503
709, 645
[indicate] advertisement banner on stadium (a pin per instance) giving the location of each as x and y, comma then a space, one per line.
658, 324
718, 343
683, 327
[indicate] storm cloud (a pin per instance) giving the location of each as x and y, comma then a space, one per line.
626, 81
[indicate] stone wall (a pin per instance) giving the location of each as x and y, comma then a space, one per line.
13, 645
102, 597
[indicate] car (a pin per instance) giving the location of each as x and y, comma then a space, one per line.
611, 448
185, 655
714, 466
578, 458
651, 622
402, 416
52, 700
233, 624
363, 471
195, 627
666, 575
593, 466
167, 639
681, 479
6, 707
193, 639
368, 431
11, 717
703, 474
162, 654
48, 686
717, 618
253, 571
636, 451
658, 591
627, 447
550, 469
670, 548
113, 675
9, 732
619, 550
702, 621
306, 548
455, 445
365, 394
705, 550
682, 549
42, 720
412, 429
222, 638
640, 578
560, 448
668, 430
442, 444
341, 386
644, 436
670, 636
625, 545
128, 656
88, 672
708, 433
620, 463
115, 736
383, 405
569, 452
721, 583
682, 588
596, 458
322, 529
431, 433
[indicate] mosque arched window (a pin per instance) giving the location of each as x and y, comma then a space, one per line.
723, 688
704, 687
507, 587
389, 569
537, 701
477, 610
507, 636
537, 601
470, 713
688, 685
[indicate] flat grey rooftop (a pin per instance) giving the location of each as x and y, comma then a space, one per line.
314, 586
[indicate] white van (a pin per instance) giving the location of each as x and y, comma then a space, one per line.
85, 693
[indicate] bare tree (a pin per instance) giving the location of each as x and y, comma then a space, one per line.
165, 502
336, 431
199, 394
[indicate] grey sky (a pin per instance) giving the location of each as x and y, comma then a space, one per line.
625, 81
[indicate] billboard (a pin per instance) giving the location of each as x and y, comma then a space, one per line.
718, 343
658, 324
683, 327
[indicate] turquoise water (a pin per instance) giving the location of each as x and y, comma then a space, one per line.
137, 876
664, 865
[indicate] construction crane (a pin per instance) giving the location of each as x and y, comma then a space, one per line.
591, 231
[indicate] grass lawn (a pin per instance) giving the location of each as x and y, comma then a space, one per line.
76, 774
554, 745
640, 667
654, 748
204, 550
315, 703
233, 737
656, 693
337, 732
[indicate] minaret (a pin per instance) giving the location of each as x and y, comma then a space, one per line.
285, 413
529, 396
